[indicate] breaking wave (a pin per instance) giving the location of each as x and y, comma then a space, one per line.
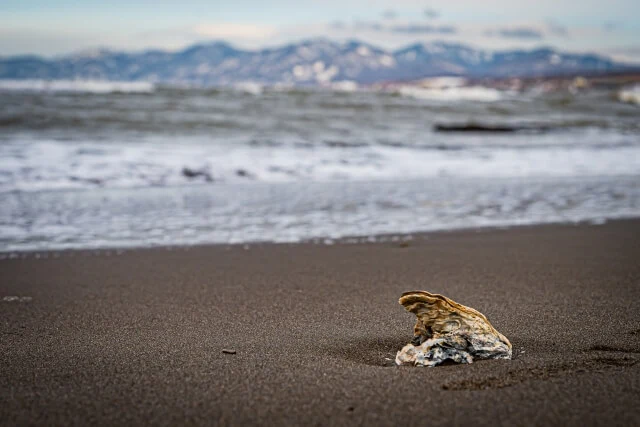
168, 165
40, 165
54, 139
630, 95
452, 94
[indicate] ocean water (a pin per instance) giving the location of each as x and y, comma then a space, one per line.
94, 164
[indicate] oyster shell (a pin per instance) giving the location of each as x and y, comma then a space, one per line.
446, 330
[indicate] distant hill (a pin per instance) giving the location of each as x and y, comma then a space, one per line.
310, 62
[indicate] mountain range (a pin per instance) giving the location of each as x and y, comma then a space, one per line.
310, 62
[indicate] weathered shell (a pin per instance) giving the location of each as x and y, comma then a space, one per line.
446, 330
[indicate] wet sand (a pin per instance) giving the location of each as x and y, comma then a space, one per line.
137, 336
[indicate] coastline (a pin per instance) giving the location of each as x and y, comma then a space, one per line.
391, 238
139, 338
297, 212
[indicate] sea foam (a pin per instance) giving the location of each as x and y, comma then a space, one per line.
630, 95
450, 94
89, 86
40, 165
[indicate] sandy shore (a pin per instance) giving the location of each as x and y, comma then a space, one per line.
137, 337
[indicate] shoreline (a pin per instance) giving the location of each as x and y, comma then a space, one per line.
297, 334
297, 213
384, 238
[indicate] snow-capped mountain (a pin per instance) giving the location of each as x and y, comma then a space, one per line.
311, 62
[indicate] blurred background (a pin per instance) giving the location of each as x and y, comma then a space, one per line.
173, 123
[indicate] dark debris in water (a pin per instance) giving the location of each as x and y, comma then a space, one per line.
197, 173
487, 128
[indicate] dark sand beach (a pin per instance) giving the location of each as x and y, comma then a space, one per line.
137, 337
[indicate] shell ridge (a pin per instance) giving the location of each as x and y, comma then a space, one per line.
447, 330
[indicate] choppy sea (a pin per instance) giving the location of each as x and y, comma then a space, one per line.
93, 165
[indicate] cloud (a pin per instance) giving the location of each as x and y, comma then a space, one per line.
389, 14
610, 26
600, 36
406, 28
367, 26
423, 29
557, 29
29, 41
430, 13
520, 33
234, 31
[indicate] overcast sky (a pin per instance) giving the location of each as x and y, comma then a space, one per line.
57, 27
